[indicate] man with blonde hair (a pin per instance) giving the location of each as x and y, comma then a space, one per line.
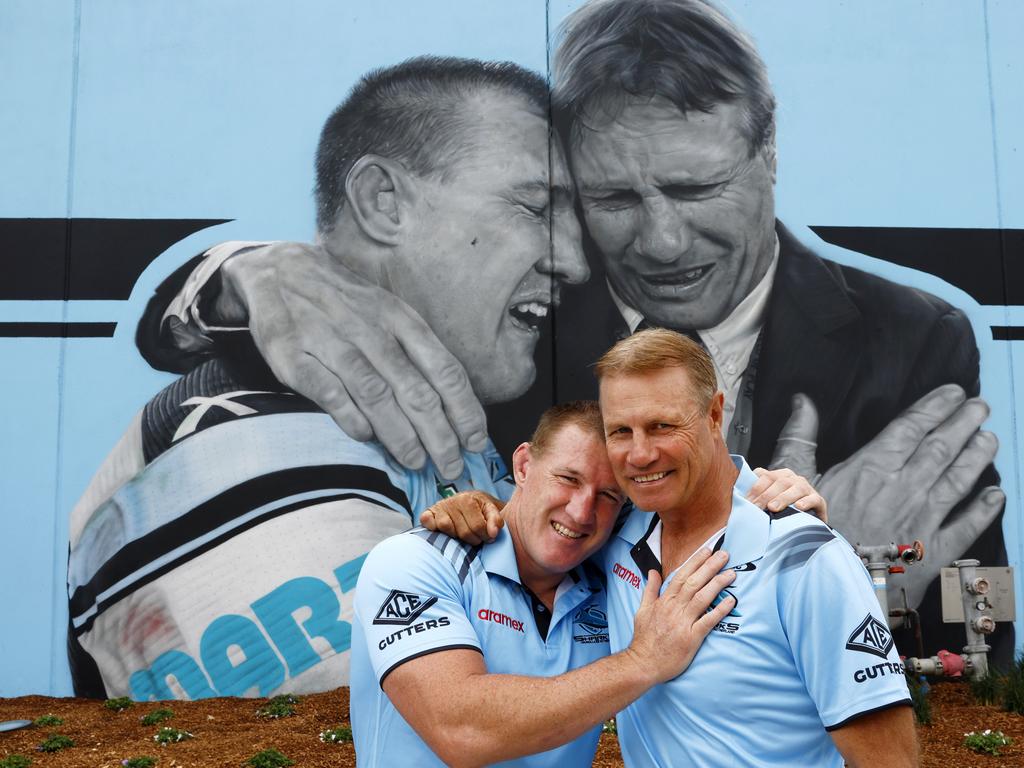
792, 664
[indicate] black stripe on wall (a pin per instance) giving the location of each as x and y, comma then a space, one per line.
57, 330
1008, 332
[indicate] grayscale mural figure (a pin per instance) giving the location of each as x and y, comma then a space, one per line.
449, 246
215, 540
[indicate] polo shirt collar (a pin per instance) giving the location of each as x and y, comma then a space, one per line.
746, 532
499, 557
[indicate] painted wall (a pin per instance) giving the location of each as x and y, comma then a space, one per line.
890, 116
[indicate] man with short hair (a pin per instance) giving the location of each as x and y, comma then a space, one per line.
232, 506
472, 655
805, 650
669, 120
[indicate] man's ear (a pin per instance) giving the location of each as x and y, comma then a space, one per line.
520, 462
771, 158
379, 193
716, 411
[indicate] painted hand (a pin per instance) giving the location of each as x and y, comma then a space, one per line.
357, 351
902, 485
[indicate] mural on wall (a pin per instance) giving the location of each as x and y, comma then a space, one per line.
480, 241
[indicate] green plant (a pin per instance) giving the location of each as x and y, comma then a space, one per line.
340, 735
145, 761
166, 736
16, 761
269, 758
1013, 687
55, 742
610, 727
919, 696
987, 742
119, 704
279, 706
47, 720
157, 716
987, 689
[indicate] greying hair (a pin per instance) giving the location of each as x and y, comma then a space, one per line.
415, 113
685, 51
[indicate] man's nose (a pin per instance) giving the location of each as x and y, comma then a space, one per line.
663, 231
642, 451
567, 261
581, 507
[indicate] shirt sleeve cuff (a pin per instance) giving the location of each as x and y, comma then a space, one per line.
182, 314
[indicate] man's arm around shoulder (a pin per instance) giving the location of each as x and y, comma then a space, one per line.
470, 717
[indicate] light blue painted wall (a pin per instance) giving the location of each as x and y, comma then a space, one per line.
893, 114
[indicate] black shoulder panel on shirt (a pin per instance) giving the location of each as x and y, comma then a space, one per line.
798, 546
216, 392
459, 553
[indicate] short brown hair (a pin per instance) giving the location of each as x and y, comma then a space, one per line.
653, 349
585, 414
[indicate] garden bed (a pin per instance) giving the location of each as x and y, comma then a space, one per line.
227, 732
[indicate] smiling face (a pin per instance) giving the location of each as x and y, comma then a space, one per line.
682, 215
491, 245
665, 449
567, 502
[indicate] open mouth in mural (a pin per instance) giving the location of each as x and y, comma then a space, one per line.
529, 315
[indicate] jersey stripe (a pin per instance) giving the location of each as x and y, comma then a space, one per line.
797, 547
460, 554
222, 517
803, 535
90, 600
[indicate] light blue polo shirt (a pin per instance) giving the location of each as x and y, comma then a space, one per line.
804, 651
422, 592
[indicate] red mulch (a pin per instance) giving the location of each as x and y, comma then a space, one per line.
227, 733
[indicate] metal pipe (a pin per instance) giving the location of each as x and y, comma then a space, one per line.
977, 623
880, 560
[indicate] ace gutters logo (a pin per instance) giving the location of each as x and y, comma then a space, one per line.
402, 608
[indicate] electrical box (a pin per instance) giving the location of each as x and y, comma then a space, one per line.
1000, 595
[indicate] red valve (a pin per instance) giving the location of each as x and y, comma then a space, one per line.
910, 553
952, 663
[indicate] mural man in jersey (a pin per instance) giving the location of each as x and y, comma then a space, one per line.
213, 551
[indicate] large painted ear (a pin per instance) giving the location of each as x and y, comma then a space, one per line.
520, 463
771, 159
378, 192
